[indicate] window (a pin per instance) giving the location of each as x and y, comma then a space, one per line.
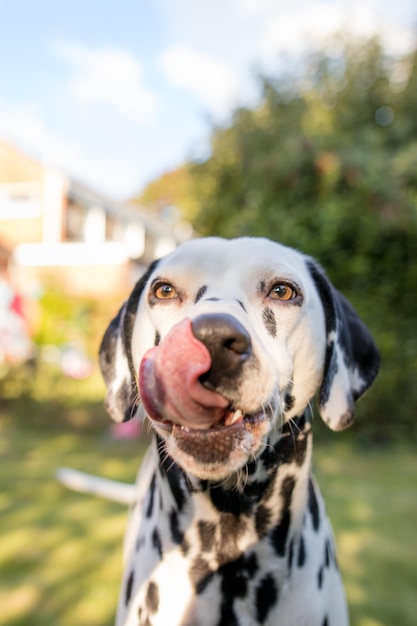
20, 200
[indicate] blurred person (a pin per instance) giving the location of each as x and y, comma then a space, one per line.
15, 341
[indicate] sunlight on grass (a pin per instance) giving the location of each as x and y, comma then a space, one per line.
372, 502
18, 603
69, 543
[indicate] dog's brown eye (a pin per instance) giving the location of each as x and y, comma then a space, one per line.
164, 291
283, 292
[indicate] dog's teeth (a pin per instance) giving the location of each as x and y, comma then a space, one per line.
234, 417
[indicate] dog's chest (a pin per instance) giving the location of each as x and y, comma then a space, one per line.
194, 562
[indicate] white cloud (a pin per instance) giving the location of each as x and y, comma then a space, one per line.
22, 124
208, 78
253, 7
109, 76
293, 31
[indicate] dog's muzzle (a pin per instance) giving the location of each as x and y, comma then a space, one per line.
189, 386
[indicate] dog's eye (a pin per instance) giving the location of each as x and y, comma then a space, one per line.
283, 292
164, 291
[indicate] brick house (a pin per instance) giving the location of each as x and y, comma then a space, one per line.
55, 227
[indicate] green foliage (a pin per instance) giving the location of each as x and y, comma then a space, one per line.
63, 319
38, 394
170, 192
41, 392
327, 163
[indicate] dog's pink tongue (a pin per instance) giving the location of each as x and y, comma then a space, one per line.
169, 381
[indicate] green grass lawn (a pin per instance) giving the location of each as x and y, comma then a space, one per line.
60, 551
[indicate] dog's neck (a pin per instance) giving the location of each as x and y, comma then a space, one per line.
279, 473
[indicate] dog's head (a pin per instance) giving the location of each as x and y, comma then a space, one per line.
223, 341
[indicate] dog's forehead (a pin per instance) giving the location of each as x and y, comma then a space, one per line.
246, 257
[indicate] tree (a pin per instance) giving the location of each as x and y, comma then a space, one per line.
170, 192
328, 163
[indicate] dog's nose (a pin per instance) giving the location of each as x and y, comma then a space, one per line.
229, 345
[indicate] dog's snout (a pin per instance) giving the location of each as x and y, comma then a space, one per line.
228, 342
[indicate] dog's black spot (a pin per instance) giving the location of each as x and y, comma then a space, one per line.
269, 456
303, 422
330, 368
157, 543
240, 303
227, 616
266, 597
289, 402
320, 574
235, 576
291, 447
327, 553
207, 534
121, 401
325, 622
301, 552
262, 520
295, 447
251, 467
129, 587
200, 575
177, 534
157, 338
262, 286
257, 490
313, 506
290, 554
175, 476
226, 501
213, 299
332, 554
200, 293
325, 293
280, 531
151, 497
269, 321
152, 597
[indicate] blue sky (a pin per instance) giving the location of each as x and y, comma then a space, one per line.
115, 92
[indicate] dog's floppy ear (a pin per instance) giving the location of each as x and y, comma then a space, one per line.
115, 357
352, 359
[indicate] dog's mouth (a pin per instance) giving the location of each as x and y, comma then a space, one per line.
196, 421
232, 421
235, 436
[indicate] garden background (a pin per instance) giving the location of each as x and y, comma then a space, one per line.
325, 162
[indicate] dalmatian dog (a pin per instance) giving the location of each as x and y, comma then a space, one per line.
224, 344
